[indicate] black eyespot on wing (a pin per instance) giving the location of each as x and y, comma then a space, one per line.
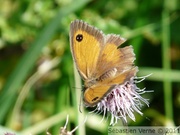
95, 99
79, 37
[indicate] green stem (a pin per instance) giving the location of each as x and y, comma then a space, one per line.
80, 115
166, 60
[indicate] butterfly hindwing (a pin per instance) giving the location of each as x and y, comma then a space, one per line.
95, 93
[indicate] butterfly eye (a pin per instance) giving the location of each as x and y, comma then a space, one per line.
95, 99
79, 37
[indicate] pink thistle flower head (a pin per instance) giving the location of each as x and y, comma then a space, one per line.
123, 101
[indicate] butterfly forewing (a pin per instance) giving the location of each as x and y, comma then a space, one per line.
114, 57
86, 51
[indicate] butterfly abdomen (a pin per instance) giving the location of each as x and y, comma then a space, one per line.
109, 74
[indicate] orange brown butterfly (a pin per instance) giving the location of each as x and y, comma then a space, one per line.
100, 60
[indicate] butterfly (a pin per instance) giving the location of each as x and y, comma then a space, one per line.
100, 60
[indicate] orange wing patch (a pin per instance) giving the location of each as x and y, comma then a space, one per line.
113, 57
86, 53
86, 44
94, 94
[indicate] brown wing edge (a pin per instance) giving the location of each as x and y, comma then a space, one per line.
128, 58
115, 39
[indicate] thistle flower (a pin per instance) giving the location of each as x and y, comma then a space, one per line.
123, 101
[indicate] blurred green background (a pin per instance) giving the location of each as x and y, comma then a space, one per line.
37, 87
